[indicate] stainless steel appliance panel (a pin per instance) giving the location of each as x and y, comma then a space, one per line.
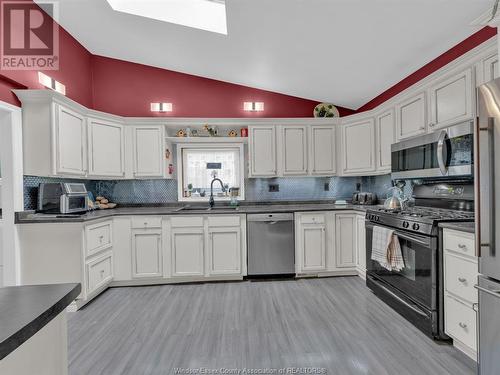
487, 178
271, 244
489, 326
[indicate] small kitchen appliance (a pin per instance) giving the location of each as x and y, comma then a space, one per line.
62, 198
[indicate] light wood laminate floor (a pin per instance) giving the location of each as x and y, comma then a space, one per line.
332, 323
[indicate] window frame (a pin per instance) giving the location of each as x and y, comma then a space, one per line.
216, 146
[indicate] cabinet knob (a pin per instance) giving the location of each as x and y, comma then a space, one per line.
145, 223
102, 274
432, 124
462, 246
462, 279
462, 325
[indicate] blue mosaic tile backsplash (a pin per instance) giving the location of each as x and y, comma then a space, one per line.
165, 191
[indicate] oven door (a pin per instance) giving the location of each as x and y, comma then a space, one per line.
443, 153
417, 280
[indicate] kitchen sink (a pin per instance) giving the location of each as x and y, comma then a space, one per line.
205, 208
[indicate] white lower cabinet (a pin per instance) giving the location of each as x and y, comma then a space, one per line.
224, 251
147, 253
346, 233
317, 248
99, 272
187, 251
460, 276
361, 245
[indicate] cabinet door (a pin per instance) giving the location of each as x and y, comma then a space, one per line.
346, 240
187, 252
451, 100
106, 148
71, 146
148, 151
262, 149
146, 253
322, 157
294, 150
358, 142
490, 68
313, 247
411, 116
385, 138
361, 244
224, 251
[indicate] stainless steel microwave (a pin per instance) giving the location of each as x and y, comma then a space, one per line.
445, 153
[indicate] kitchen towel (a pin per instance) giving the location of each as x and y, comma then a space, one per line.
386, 249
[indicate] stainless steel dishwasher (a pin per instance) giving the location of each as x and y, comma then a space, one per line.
271, 244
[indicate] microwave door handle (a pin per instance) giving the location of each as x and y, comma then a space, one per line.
485, 181
442, 149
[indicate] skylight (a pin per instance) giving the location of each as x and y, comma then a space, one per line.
209, 15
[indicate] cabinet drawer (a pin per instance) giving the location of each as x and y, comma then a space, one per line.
140, 222
312, 218
460, 277
460, 322
223, 221
186, 221
99, 272
98, 237
459, 242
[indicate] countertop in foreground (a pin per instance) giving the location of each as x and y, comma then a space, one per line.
27, 217
24, 310
468, 226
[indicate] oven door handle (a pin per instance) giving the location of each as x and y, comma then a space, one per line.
407, 304
442, 148
421, 240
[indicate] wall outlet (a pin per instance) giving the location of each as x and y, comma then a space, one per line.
273, 188
326, 186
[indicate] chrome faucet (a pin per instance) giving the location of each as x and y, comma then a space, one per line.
211, 201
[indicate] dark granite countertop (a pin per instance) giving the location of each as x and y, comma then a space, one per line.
27, 217
24, 310
462, 226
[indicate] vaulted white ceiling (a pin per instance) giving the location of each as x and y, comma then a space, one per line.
340, 51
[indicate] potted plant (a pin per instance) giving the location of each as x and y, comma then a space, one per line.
190, 189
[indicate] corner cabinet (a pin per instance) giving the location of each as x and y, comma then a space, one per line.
148, 157
322, 150
106, 148
69, 145
358, 147
411, 116
452, 100
385, 133
262, 151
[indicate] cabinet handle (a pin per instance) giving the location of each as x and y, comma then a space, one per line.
102, 274
462, 246
145, 223
462, 279
462, 325
431, 125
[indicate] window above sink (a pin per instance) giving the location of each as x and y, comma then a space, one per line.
199, 163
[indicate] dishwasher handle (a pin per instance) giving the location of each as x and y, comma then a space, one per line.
271, 218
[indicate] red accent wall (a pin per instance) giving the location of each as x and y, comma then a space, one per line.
461, 48
75, 71
127, 89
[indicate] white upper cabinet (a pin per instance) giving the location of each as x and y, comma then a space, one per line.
358, 147
106, 148
452, 100
293, 150
411, 116
70, 142
322, 156
148, 151
385, 132
487, 69
262, 150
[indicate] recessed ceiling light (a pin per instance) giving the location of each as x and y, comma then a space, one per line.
209, 15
